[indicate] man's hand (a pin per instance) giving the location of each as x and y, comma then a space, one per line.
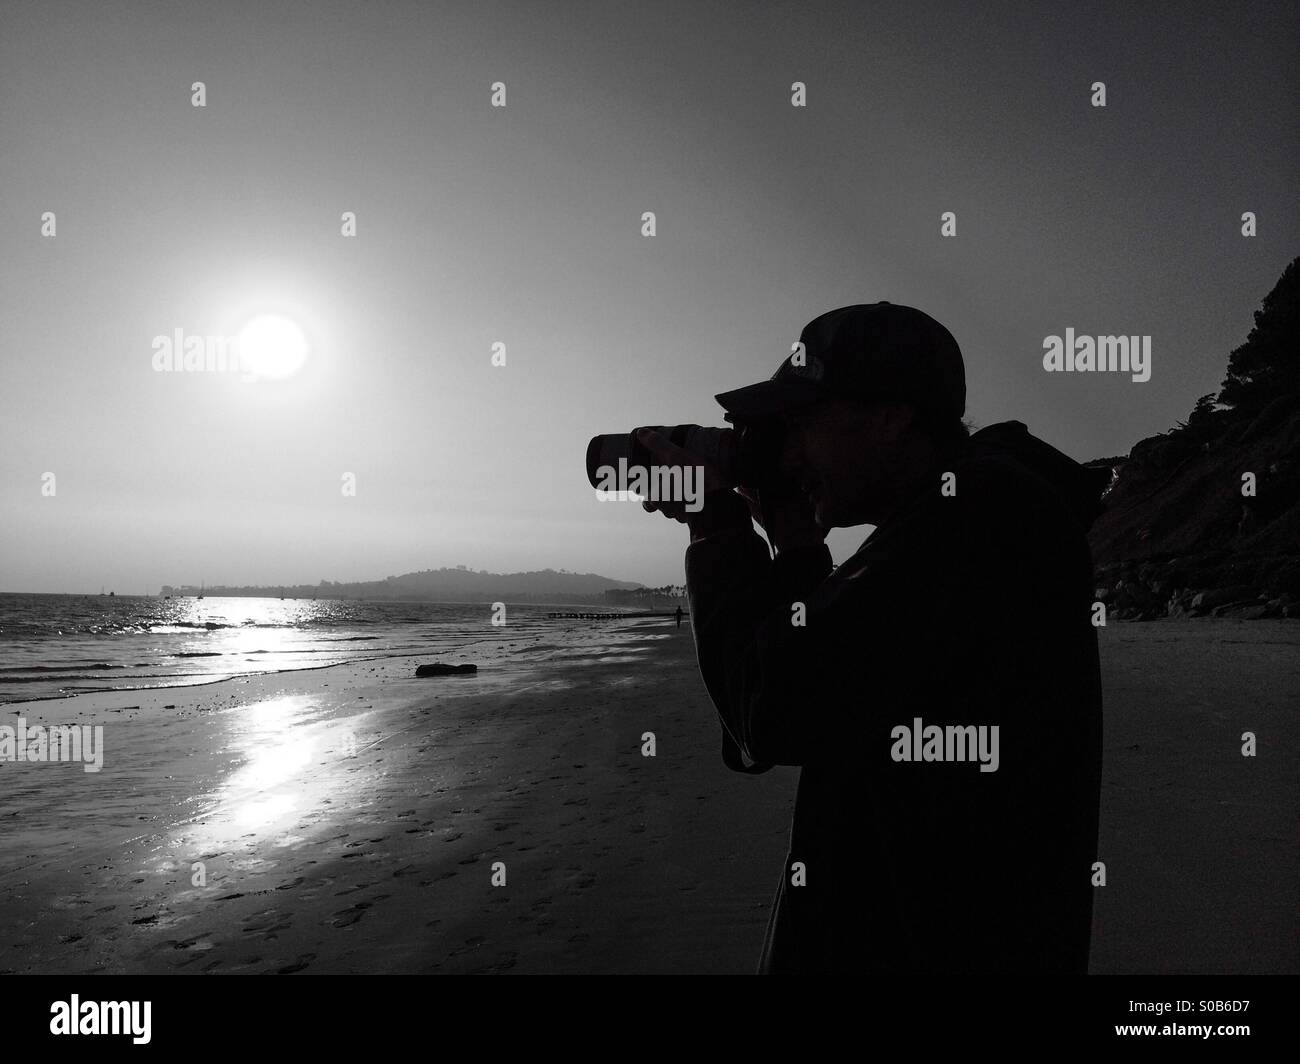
790, 517
663, 452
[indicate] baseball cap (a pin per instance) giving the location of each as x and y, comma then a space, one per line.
868, 351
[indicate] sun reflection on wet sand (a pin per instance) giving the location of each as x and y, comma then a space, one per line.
278, 747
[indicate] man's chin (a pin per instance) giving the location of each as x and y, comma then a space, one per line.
828, 516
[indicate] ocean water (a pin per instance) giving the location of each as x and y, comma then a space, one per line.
57, 646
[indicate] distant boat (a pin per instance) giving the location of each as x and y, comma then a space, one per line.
200, 590
112, 594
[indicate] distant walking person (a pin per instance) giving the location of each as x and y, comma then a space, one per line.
939, 690
679, 616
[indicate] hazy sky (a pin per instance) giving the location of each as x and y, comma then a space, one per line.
522, 225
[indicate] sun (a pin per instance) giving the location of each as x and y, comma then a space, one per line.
273, 346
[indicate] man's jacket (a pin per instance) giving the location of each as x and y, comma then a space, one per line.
970, 607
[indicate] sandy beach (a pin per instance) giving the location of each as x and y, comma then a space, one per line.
353, 818
1199, 841
382, 861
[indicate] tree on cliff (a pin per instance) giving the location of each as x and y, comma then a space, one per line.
1267, 365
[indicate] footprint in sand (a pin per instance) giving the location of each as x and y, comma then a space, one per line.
349, 916
198, 943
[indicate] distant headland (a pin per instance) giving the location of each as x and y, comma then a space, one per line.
460, 584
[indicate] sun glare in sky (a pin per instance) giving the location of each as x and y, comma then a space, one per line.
273, 346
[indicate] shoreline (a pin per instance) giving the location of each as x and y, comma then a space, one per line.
145, 645
233, 677
1207, 619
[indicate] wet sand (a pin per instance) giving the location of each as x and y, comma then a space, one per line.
349, 819
383, 861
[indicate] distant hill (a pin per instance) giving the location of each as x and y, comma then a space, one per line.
444, 585
1181, 533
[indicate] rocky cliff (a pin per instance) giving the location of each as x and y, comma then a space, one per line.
1205, 519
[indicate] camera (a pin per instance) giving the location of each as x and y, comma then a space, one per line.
747, 455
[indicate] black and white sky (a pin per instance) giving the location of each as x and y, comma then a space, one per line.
522, 225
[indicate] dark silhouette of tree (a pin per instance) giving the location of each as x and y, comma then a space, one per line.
1203, 423
1267, 365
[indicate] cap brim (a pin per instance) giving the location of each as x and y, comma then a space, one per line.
767, 398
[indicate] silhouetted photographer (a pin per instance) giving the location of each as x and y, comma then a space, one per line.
939, 690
